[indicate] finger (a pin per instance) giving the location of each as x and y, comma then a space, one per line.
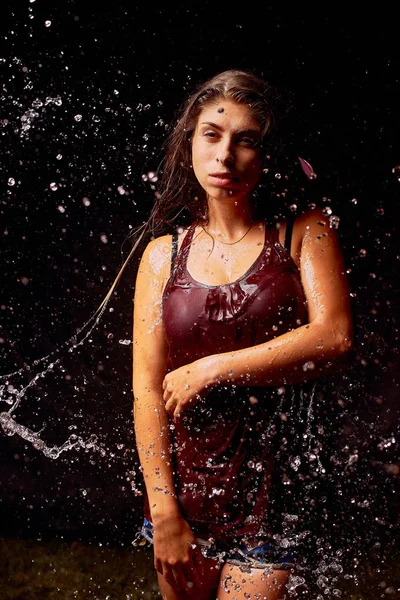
170, 407
198, 562
164, 384
158, 566
192, 573
169, 577
181, 581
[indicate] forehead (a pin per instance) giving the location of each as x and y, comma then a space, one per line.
228, 113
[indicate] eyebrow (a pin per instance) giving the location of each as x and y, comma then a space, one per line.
239, 131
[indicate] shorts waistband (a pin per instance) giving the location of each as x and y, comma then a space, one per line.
265, 555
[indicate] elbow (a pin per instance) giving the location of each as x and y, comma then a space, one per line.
343, 343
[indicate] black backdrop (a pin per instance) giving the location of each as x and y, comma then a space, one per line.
88, 91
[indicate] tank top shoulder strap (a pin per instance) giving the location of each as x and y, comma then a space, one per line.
288, 233
271, 234
174, 249
179, 259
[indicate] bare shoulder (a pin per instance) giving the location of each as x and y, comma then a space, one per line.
314, 225
312, 218
157, 254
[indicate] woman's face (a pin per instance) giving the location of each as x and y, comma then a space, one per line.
226, 154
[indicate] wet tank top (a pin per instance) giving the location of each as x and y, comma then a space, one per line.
222, 458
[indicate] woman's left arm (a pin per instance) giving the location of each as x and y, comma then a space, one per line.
304, 353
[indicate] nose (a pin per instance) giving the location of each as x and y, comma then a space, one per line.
225, 155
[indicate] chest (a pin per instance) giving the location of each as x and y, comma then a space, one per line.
215, 264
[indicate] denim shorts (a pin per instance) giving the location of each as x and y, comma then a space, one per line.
264, 556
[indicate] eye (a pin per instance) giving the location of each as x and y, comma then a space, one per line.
210, 134
249, 141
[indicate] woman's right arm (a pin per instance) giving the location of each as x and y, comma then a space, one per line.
173, 538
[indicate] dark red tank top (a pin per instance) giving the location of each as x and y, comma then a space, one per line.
221, 453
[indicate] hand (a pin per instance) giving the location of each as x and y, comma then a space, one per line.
185, 386
176, 555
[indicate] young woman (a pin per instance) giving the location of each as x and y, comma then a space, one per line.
230, 314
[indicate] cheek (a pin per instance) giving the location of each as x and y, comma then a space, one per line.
199, 160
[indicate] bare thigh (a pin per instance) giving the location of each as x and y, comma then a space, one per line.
210, 576
257, 585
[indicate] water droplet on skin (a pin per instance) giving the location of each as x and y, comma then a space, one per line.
327, 211
308, 366
334, 221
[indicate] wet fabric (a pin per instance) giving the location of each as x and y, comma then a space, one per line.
222, 458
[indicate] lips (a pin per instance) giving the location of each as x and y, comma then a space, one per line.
223, 178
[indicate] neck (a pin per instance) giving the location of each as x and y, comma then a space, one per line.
228, 219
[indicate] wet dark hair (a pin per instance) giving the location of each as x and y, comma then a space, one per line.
178, 192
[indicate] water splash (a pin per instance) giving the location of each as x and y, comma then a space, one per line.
11, 427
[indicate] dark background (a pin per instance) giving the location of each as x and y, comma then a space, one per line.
85, 105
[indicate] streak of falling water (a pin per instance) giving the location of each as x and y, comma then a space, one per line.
11, 427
